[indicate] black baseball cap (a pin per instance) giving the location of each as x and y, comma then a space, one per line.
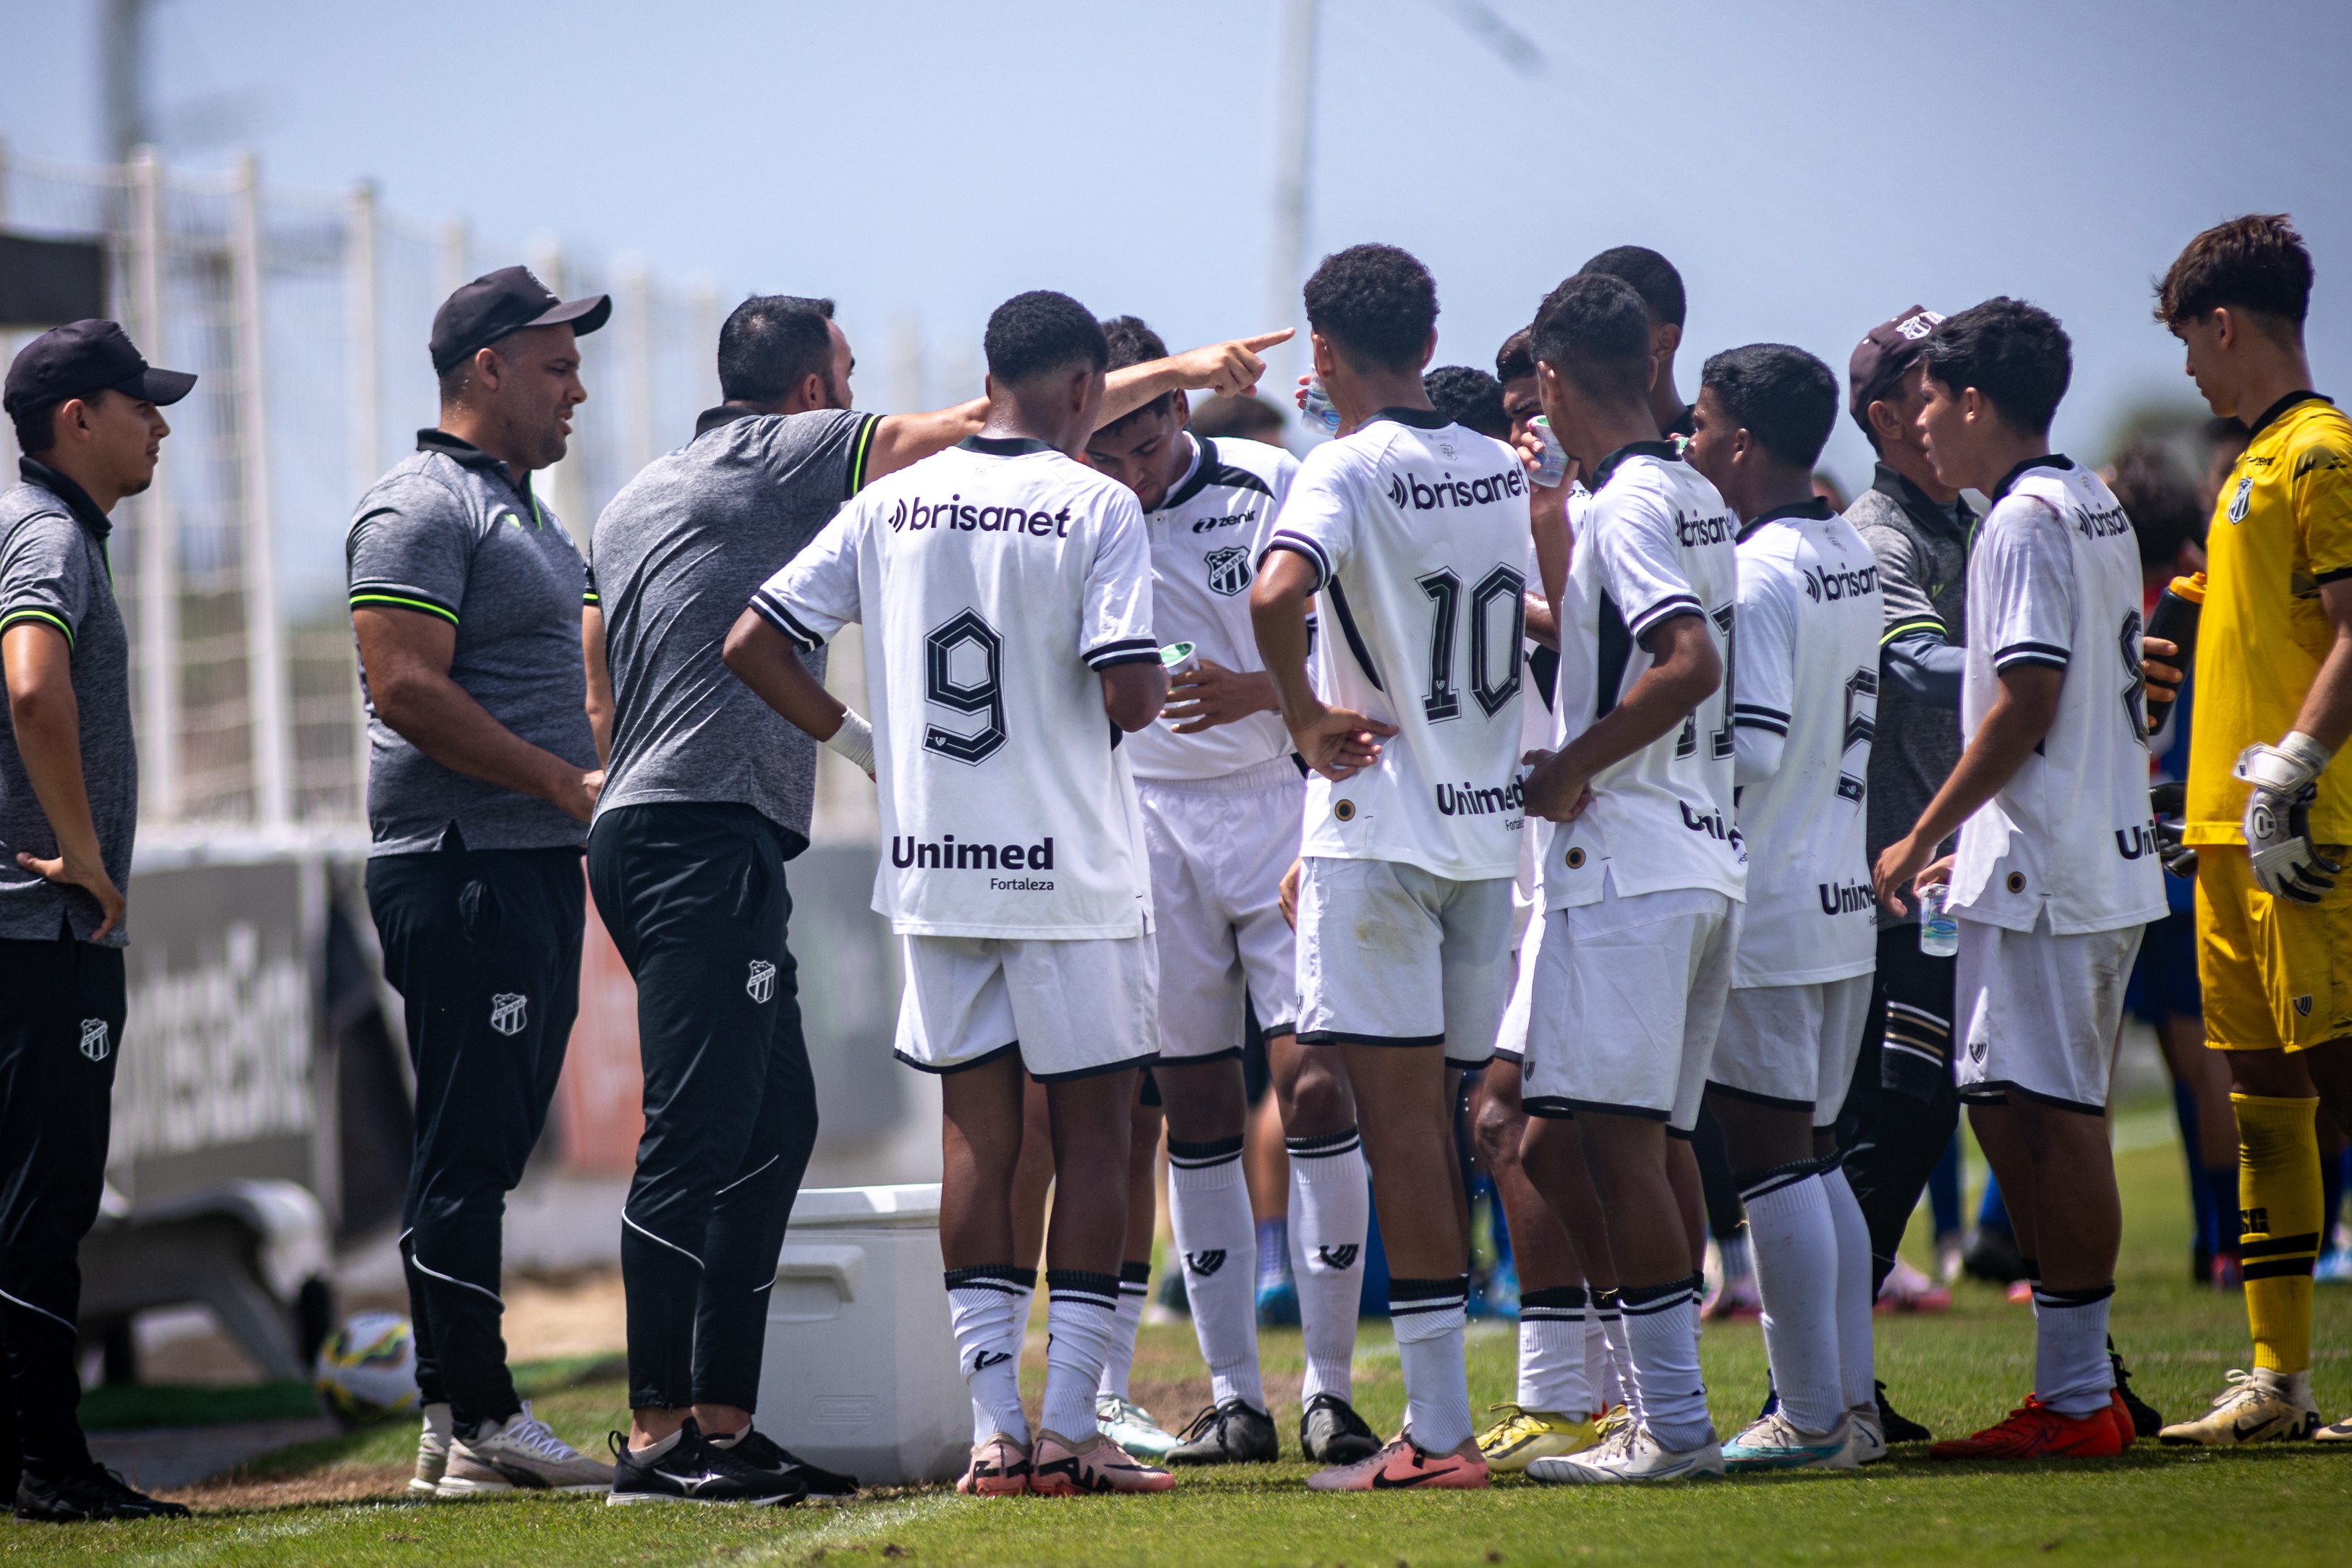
1886, 352
84, 357
507, 301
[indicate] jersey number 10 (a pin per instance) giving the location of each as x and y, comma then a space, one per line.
1442, 698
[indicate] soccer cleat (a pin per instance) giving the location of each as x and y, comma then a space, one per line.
2340, 1432
2141, 1419
1331, 1433
1059, 1467
1524, 1435
1130, 1426
2258, 1406
431, 1451
1774, 1442
1228, 1434
999, 1467
1631, 1455
1895, 1427
759, 1451
694, 1470
1401, 1466
519, 1452
2034, 1431
91, 1492
1906, 1290
1866, 1441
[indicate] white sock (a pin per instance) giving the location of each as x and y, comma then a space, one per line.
1599, 1375
1662, 1331
1796, 1252
1552, 1375
1609, 1312
1738, 1257
1330, 1215
1209, 1208
989, 1308
1427, 1316
2072, 1373
1134, 1290
1081, 1319
1857, 1359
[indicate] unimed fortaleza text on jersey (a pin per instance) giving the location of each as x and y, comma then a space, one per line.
2054, 581
1206, 535
995, 582
1656, 544
1810, 614
1417, 529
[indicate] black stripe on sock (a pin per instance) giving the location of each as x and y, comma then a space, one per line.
1754, 1184
1409, 1297
1640, 1301
1200, 1156
1135, 1276
1553, 1302
2276, 1269
2092, 1296
1089, 1286
2307, 1242
993, 1276
1323, 1145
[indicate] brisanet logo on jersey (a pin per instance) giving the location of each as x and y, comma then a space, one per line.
913, 515
1411, 492
945, 854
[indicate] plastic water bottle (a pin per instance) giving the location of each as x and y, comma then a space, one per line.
1551, 467
1939, 928
1318, 406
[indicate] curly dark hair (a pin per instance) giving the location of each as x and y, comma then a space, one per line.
1654, 278
1594, 332
1779, 393
2256, 263
2015, 353
1516, 360
1132, 343
1470, 397
1042, 331
1375, 304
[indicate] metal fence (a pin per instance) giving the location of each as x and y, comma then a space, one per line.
306, 317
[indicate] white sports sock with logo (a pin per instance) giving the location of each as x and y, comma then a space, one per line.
1330, 1215
1796, 1252
1081, 1318
1552, 1374
988, 1308
1427, 1318
1662, 1330
1209, 1208
1134, 1290
1857, 1358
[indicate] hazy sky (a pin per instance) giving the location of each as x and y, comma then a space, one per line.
1811, 168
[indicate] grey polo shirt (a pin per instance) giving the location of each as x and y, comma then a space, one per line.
677, 555
54, 573
448, 533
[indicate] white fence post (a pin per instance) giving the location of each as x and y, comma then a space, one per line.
159, 538
265, 636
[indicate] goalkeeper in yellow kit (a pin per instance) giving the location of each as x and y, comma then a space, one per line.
2270, 799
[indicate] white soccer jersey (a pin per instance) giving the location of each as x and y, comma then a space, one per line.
1809, 617
1417, 529
1205, 539
995, 580
1655, 543
2054, 580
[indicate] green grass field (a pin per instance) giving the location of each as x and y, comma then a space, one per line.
1955, 1372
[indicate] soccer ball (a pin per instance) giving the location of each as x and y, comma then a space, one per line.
367, 1368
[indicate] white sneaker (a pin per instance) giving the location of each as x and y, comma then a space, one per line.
2258, 1406
1130, 1426
1631, 1455
520, 1452
431, 1451
1773, 1442
1866, 1439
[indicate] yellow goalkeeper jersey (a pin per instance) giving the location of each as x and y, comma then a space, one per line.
2282, 526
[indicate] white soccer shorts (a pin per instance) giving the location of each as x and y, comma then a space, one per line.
1792, 1046
1390, 954
1219, 848
1511, 1036
1628, 999
2038, 1012
1071, 1009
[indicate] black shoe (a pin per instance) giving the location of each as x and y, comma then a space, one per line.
2146, 1420
1992, 1256
1331, 1433
96, 1492
1897, 1429
757, 1450
696, 1470
1227, 1433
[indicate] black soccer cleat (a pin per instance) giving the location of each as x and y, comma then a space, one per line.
1992, 1256
95, 1493
2146, 1422
1897, 1429
696, 1470
1227, 1433
1331, 1433
759, 1450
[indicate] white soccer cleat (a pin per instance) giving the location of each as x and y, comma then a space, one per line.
1866, 1439
1773, 1442
520, 1453
1130, 1426
2258, 1406
1631, 1456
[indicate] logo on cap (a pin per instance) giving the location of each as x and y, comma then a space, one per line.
1916, 327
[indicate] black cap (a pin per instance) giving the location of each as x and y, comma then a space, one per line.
507, 301
1885, 354
85, 357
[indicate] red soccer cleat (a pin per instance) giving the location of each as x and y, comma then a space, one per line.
1404, 1467
1059, 1467
2034, 1431
2124, 1429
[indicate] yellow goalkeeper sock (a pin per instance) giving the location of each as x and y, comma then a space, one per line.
2278, 1197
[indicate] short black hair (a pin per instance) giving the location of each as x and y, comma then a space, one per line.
2256, 263
1779, 393
1516, 360
1594, 332
1039, 332
1470, 397
1375, 304
1654, 278
769, 342
2160, 499
36, 424
454, 380
2015, 353
1131, 343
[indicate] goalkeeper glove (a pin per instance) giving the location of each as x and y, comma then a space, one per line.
2278, 817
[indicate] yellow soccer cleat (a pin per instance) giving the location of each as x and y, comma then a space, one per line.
1522, 1436
2259, 1406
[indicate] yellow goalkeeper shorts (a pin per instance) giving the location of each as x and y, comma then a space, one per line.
2276, 974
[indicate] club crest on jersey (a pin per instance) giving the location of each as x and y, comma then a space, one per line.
1204, 1263
93, 1038
1410, 493
1229, 570
2241, 497
2303, 1005
762, 982
507, 1011
1831, 585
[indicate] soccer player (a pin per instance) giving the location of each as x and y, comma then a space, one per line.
1222, 802
1006, 590
1414, 532
1644, 874
2266, 809
1805, 703
2056, 870
1655, 279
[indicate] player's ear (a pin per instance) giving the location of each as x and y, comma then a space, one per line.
1429, 348
1183, 410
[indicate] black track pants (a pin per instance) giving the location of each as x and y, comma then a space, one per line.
61, 1005
1902, 1108
694, 896
483, 946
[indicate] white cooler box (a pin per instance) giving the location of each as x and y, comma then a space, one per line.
860, 1373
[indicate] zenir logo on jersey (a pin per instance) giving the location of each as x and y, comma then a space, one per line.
1229, 570
1204, 1263
762, 982
1229, 520
507, 1011
1409, 493
93, 1038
